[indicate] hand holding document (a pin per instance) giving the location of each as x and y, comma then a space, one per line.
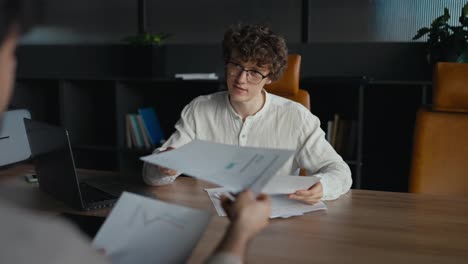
144, 230
278, 188
281, 205
281, 184
233, 167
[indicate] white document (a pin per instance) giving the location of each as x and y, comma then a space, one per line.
281, 205
197, 76
230, 166
144, 230
281, 184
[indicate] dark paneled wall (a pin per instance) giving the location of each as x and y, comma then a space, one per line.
380, 61
204, 21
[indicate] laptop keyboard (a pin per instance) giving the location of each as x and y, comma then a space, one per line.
92, 195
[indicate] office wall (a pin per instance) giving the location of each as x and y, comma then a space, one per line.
204, 21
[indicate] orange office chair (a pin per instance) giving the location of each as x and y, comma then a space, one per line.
440, 150
288, 85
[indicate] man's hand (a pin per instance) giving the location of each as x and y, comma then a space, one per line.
309, 196
164, 170
249, 215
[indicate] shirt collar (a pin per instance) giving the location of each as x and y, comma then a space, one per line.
262, 110
266, 105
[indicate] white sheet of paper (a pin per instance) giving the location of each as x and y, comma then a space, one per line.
197, 76
281, 205
145, 230
233, 167
281, 184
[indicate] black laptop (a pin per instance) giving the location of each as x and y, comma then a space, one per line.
55, 168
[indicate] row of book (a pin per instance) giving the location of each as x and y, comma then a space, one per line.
143, 130
342, 135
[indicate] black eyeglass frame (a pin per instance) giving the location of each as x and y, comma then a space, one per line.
247, 71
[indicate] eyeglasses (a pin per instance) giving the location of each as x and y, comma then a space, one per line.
253, 76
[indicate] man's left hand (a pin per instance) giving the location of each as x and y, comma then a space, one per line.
309, 196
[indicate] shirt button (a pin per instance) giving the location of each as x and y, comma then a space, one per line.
243, 136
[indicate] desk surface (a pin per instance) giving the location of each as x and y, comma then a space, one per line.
360, 227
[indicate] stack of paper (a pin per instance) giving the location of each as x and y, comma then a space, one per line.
144, 230
278, 188
197, 76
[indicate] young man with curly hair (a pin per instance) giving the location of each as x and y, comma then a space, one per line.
246, 115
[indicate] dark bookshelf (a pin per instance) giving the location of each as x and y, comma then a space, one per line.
93, 112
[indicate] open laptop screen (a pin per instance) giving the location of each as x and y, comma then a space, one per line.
53, 160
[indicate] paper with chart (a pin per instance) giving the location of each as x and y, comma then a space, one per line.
230, 166
145, 230
281, 205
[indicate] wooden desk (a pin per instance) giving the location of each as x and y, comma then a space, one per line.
360, 227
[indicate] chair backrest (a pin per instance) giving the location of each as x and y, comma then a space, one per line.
440, 153
450, 85
440, 150
288, 85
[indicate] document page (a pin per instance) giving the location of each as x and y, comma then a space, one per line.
145, 230
230, 166
281, 205
281, 184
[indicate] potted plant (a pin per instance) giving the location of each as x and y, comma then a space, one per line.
146, 38
446, 42
144, 57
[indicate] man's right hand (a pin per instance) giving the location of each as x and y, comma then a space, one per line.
249, 215
164, 170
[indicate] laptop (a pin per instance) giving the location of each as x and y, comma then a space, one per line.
55, 168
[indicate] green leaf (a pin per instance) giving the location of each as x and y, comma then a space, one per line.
146, 39
465, 10
421, 32
441, 20
446, 14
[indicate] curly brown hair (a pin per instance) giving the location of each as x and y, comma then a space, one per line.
256, 43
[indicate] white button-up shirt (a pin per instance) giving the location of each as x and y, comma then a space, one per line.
281, 123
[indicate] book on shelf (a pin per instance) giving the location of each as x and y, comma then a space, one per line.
152, 125
144, 132
128, 132
342, 136
336, 120
136, 132
132, 132
329, 130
